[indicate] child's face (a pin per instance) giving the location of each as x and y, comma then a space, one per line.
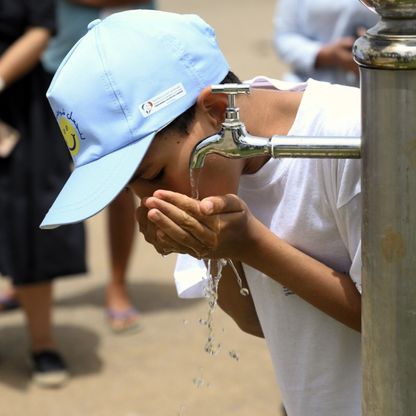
166, 165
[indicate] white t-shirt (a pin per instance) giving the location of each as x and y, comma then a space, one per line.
315, 205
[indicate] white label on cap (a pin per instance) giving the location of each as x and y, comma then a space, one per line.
162, 100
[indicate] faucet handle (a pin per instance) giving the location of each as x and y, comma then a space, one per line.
232, 113
230, 89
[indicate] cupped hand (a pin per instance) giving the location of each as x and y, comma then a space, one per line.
216, 227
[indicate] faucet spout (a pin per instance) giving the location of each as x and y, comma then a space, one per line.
232, 142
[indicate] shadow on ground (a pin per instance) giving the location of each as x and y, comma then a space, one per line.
14, 361
147, 296
82, 355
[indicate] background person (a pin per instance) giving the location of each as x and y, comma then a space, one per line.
73, 18
315, 37
30, 177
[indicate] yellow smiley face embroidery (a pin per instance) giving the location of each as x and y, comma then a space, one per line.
70, 134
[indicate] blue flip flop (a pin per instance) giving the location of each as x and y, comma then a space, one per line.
128, 318
8, 303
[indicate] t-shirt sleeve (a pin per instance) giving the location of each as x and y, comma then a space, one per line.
190, 277
349, 213
41, 13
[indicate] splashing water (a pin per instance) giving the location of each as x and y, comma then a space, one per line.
211, 291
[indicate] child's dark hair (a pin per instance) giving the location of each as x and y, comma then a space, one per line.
182, 122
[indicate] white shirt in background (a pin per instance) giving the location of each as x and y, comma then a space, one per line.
302, 27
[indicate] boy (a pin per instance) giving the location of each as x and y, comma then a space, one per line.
133, 98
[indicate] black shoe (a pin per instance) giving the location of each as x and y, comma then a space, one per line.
49, 369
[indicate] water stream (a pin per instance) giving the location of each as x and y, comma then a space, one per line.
214, 273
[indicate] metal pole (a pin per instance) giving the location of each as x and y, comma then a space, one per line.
387, 59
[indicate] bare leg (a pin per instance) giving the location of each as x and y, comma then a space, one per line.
48, 367
36, 301
121, 228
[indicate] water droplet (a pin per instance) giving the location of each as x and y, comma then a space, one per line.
181, 410
222, 262
234, 355
198, 382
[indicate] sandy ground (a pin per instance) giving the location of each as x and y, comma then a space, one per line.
162, 370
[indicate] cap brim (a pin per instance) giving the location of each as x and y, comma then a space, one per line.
91, 187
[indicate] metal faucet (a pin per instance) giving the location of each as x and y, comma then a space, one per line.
233, 141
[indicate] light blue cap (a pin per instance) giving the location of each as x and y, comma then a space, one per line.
127, 78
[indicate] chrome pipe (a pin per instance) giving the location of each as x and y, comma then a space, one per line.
316, 147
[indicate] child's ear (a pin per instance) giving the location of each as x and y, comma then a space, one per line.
213, 105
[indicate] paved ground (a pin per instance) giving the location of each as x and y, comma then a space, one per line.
162, 370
